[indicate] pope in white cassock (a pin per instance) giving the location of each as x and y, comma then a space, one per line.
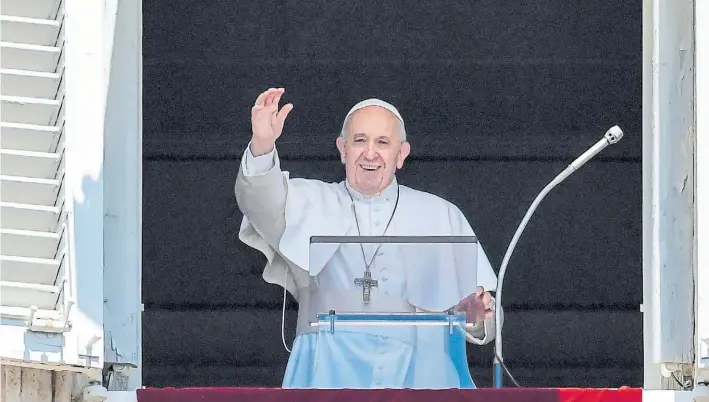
281, 214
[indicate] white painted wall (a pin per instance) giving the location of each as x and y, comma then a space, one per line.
84, 119
702, 195
668, 186
123, 185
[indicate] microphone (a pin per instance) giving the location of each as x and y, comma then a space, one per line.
612, 136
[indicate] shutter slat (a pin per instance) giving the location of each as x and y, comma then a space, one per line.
28, 110
35, 165
28, 137
18, 56
35, 84
14, 269
29, 190
28, 30
28, 216
19, 294
29, 243
42, 9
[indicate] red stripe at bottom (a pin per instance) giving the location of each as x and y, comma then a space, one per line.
600, 395
389, 395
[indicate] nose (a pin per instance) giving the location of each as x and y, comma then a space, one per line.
370, 153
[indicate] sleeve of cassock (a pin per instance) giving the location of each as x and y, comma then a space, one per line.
281, 215
261, 190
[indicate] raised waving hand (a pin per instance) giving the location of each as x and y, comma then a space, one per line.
267, 121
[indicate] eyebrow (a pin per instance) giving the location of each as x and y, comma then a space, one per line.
364, 134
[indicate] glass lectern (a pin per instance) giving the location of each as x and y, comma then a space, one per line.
404, 288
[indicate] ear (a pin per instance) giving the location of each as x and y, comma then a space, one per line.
340, 142
403, 153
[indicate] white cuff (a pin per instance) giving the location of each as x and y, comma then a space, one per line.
258, 165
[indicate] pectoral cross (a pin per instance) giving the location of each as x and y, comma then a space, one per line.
367, 283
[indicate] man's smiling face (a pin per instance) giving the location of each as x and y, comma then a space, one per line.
372, 149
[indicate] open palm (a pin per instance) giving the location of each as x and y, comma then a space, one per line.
266, 120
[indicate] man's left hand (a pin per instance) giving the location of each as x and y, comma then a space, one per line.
477, 307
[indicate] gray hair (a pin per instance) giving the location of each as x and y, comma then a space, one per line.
380, 103
400, 124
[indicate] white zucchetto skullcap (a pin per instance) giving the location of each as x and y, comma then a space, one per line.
375, 102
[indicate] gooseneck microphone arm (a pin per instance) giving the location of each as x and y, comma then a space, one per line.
613, 135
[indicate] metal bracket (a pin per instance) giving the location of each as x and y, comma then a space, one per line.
680, 373
35, 324
117, 376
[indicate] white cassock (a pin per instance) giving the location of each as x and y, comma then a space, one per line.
280, 217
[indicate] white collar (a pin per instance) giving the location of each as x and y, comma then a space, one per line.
389, 193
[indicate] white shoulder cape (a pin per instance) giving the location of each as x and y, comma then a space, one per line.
436, 280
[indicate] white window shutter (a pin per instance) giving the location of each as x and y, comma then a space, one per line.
46, 313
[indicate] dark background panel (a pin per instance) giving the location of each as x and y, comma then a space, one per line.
581, 248
252, 337
498, 98
272, 376
376, 31
472, 79
483, 31
462, 110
